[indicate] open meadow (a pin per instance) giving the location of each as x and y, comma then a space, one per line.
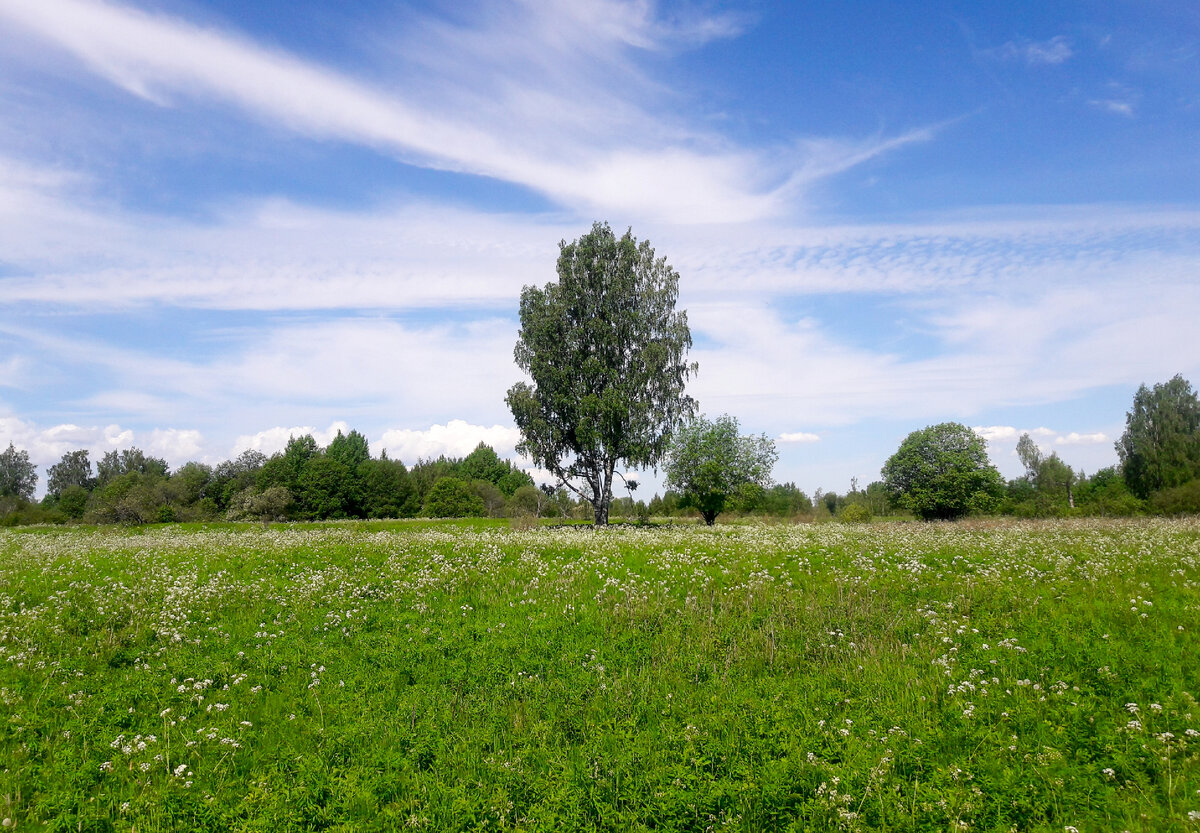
901, 677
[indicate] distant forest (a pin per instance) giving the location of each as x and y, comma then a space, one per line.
307, 482
1159, 473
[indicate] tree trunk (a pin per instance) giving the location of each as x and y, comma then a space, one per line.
605, 495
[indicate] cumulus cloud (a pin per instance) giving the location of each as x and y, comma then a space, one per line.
46, 446
456, 438
1075, 438
175, 444
999, 433
273, 440
798, 437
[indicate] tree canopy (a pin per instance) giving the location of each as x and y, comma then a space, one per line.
1160, 448
607, 354
18, 476
943, 472
74, 469
707, 463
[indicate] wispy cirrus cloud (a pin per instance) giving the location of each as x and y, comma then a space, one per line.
1050, 52
591, 145
1116, 106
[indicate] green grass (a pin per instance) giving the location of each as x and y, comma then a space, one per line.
895, 677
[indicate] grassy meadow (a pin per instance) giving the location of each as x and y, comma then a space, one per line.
900, 677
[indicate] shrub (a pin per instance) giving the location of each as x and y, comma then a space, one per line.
271, 504
451, 498
1180, 500
855, 513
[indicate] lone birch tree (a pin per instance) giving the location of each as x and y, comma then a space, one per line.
606, 351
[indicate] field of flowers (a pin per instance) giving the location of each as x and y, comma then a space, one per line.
895, 677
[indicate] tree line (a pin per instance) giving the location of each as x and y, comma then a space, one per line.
302, 482
939, 472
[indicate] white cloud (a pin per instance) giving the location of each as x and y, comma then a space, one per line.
1075, 438
798, 437
46, 446
575, 130
1116, 106
998, 433
456, 438
273, 440
1054, 51
175, 444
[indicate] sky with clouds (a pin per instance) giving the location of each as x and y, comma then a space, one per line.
224, 223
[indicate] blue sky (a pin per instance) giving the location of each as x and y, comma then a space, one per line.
223, 223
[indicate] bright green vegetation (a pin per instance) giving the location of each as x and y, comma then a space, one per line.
886, 677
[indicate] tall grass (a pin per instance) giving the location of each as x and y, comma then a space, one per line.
886, 677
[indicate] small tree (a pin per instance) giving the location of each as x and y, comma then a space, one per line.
707, 463
452, 498
1053, 481
74, 469
114, 464
18, 476
943, 472
606, 352
1161, 444
350, 449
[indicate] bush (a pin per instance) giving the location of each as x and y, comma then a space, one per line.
855, 513
1180, 500
72, 501
271, 504
451, 498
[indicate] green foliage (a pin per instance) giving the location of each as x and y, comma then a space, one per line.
452, 498
72, 501
115, 464
132, 498
18, 476
296, 455
271, 504
325, 488
532, 500
190, 483
876, 498
386, 489
427, 472
494, 504
1048, 487
708, 463
74, 469
484, 464
1106, 494
234, 476
943, 472
351, 450
606, 352
855, 513
1160, 448
1179, 500
786, 500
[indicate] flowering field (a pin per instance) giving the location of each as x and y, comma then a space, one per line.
883, 677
